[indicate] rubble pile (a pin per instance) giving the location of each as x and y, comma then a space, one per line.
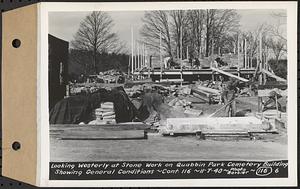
138, 90
184, 105
87, 89
111, 76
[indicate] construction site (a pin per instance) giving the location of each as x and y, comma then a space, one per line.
229, 105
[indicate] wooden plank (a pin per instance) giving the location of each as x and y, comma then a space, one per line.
207, 89
201, 93
201, 97
171, 80
229, 74
101, 134
273, 75
121, 126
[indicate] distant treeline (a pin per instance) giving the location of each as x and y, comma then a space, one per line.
80, 62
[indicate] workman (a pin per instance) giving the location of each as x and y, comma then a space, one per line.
228, 96
272, 102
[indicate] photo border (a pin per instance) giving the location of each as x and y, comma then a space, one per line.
43, 114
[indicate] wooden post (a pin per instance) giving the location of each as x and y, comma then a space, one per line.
132, 46
181, 44
181, 55
267, 59
187, 52
144, 55
238, 51
276, 101
260, 59
248, 62
129, 66
245, 53
160, 55
265, 68
135, 56
234, 49
138, 56
259, 104
212, 47
67, 91
260, 75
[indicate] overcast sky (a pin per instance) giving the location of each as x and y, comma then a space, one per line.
64, 25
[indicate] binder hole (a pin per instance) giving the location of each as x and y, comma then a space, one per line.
16, 43
16, 146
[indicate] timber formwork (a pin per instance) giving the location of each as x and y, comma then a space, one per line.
195, 74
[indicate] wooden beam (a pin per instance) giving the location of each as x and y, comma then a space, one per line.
273, 75
201, 97
132, 53
99, 132
207, 89
86, 127
201, 92
102, 135
229, 74
260, 58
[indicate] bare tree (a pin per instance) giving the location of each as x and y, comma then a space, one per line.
252, 38
179, 29
210, 22
157, 23
219, 24
277, 46
277, 30
226, 22
95, 35
195, 31
189, 28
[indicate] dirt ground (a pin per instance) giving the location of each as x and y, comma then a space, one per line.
159, 148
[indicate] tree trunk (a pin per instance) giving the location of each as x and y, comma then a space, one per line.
95, 61
207, 45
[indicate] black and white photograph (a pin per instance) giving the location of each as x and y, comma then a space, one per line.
181, 93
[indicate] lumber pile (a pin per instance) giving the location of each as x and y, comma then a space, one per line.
185, 106
207, 94
104, 114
